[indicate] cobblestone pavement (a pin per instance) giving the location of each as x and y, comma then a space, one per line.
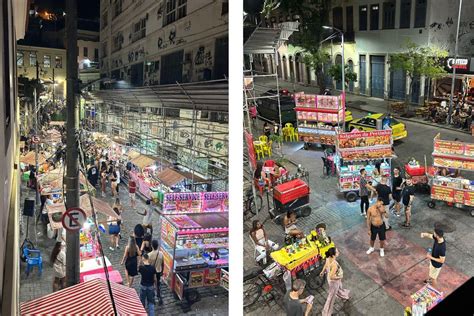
330, 207
214, 301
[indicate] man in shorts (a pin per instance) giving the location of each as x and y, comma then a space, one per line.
437, 255
376, 225
385, 193
132, 189
397, 182
408, 195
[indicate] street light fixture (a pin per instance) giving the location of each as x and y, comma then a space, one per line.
326, 27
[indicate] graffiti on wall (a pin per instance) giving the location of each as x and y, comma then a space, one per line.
170, 38
203, 57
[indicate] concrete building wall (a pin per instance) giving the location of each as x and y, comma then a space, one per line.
196, 35
57, 62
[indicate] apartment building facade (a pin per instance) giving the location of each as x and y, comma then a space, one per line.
88, 45
148, 42
376, 29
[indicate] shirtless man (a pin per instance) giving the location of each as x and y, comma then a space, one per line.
376, 225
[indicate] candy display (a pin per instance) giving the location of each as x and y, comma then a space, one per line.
425, 299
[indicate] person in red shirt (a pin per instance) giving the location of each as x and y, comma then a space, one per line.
132, 189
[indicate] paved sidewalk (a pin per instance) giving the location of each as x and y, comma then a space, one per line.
214, 301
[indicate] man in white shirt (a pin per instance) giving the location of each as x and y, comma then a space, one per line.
156, 259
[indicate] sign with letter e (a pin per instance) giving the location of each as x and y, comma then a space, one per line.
73, 219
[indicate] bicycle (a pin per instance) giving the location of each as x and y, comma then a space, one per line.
252, 205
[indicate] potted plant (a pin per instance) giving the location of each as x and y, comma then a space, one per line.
277, 139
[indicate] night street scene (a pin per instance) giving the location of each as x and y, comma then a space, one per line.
358, 157
114, 157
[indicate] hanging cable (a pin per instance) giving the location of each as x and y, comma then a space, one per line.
94, 217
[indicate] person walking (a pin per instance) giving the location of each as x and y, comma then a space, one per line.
58, 260
117, 174
334, 276
147, 290
132, 189
266, 129
437, 255
261, 241
130, 255
93, 175
114, 230
376, 225
408, 195
113, 182
364, 188
385, 193
156, 258
397, 182
148, 217
103, 180
294, 306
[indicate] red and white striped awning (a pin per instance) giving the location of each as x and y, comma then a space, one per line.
88, 298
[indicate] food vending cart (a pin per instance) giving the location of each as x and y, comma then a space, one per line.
356, 150
453, 187
195, 252
318, 117
195, 242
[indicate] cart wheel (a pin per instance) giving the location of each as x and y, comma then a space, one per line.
431, 204
192, 296
472, 213
351, 196
305, 146
252, 292
315, 282
306, 211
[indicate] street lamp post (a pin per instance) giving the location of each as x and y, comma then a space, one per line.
454, 65
342, 49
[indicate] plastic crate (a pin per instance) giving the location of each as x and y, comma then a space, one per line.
414, 171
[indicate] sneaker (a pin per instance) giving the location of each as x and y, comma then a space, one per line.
382, 253
427, 281
362, 214
405, 225
118, 247
112, 248
365, 214
397, 214
389, 228
371, 249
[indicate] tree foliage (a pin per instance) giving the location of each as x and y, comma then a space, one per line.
27, 87
336, 73
416, 61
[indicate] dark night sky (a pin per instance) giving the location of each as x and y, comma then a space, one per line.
88, 9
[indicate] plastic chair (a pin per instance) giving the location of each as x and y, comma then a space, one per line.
289, 125
33, 258
267, 149
287, 133
259, 151
295, 135
263, 139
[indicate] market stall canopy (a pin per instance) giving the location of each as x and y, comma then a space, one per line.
29, 158
77, 300
201, 96
132, 154
143, 161
189, 175
54, 178
52, 136
200, 222
57, 123
170, 177
267, 40
84, 203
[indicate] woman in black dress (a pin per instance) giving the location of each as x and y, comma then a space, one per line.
139, 233
132, 251
146, 245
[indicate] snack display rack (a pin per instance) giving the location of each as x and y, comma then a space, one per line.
356, 150
318, 116
458, 156
424, 300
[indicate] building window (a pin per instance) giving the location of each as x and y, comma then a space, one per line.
104, 20
117, 8
86, 51
33, 59
420, 13
58, 62
96, 54
349, 19
139, 30
117, 42
363, 18
103, 49
175, 10
20, 59
405, 12
225, 7
337, 18
374, 17
47, 61
389, 15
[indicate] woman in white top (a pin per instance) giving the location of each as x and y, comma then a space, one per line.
58, 260
262, 243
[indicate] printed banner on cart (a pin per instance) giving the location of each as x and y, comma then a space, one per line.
195, 202
364, 139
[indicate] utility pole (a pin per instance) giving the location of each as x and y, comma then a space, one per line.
54, 86
35, 96
72, 154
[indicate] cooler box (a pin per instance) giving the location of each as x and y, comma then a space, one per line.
414, 171
290, 191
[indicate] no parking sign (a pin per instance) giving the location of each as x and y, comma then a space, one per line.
73, 219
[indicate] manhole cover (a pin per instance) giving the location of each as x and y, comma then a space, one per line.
447, 226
